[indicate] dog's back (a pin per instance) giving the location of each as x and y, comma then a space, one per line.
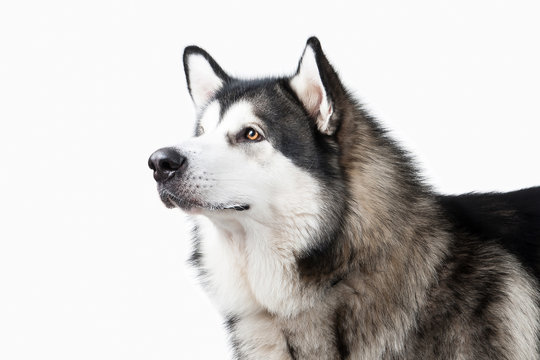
511, 219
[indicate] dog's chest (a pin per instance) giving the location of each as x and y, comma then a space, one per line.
246, 273
225, 268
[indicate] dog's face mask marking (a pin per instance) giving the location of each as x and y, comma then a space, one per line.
233, 166
260, 148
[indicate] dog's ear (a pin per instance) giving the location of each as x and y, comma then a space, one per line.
203, 74
318, 87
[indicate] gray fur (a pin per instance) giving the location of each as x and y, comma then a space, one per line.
391, 277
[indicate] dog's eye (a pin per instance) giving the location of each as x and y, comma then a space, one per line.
252, 135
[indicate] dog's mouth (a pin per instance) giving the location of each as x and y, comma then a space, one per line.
189, 204
242, 207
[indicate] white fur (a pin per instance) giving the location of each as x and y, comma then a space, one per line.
310, 89
260, 337
210, 117
249, 256
521, 314
203, 81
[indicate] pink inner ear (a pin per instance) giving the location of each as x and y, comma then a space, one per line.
327, 112
314, 99
208, 92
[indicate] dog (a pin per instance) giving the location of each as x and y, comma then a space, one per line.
316, 237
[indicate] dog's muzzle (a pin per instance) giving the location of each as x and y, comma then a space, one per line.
167, 163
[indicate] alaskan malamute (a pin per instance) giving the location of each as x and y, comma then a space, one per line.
317, 239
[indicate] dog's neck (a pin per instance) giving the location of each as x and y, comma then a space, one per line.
257, 260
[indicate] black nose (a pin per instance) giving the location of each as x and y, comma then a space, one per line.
166, 162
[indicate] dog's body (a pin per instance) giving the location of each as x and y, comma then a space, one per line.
317, 240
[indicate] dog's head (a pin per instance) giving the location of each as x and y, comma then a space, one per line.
261, 147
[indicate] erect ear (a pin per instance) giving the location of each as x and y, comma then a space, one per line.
318, 87
203, 74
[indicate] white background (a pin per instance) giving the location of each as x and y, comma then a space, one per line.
92, 265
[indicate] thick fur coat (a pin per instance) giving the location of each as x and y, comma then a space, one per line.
317, 239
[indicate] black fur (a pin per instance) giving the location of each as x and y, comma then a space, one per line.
509, 219
290, 349
340, 334
230, 324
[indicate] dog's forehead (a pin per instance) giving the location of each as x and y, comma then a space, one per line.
210, 116
249, 100
235, 115
239, 113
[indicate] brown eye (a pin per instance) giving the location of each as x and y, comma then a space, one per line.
252, 135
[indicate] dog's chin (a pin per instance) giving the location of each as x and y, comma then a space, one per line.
192, 206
